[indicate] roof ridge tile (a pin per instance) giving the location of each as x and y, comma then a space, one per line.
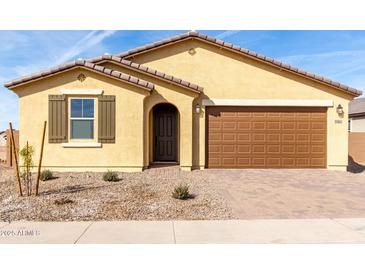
218, 42
79, 63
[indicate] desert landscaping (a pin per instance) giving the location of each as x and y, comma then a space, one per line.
135, 196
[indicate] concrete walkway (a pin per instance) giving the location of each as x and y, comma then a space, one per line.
183, 232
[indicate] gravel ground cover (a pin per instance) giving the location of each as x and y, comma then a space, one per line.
136, 196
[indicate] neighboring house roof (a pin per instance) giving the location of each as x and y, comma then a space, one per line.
146, 70
357, 107
82, 64
238, 49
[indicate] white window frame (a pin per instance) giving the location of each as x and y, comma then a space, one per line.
86, 118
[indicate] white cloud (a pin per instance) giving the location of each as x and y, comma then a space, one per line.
91, 39
11, 39
324, 55
227, 33
25, 46
344, 66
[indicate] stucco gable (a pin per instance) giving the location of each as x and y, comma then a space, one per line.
185, 37
83, 65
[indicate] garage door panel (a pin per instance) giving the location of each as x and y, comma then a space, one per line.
258, 137
303, 162
303, 126
259, 125
273, 162
244, 126
215, 126
229, 137
303, 149
273, 149
258, 162
318, 126
228, 161
303, 138
215, 136
286, 125
288, 162
243, 149
261, 149
273, 125
318, 149
288, 138
229, 126
318, 138
244, 161
318, 116
273, 137
266, 137
317, 162
288, 149
244, 137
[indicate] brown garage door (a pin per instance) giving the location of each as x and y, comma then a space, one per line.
266, 137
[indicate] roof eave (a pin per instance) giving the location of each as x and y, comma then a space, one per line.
148, 71
87, 66
237, 49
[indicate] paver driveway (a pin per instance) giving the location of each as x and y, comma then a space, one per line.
283, 193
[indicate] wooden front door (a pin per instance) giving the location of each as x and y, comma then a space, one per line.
164, 133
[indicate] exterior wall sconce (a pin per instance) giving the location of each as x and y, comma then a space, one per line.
339, 109
198, 108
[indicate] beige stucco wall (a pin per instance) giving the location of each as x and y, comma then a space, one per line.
183, 100
125, 154
223, 74
227, 75
358, 124
132, 149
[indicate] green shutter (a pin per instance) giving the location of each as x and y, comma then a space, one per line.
57, 119
106, 119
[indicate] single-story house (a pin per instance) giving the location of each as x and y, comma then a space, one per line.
191, 100
357, 115
357, 130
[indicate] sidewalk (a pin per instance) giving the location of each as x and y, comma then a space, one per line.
184, 232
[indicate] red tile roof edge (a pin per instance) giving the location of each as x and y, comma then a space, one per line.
147, 70
83, 64
243, 51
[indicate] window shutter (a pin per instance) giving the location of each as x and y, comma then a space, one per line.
57, 119
106, 120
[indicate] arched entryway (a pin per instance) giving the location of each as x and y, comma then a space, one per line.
165, 133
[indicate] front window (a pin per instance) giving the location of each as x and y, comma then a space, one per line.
82, 119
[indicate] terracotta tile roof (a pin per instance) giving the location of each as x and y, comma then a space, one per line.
83, 64
149, 71
243, 51
357, 107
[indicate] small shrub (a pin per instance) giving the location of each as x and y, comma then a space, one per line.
63, 201
110, 176
46, 175
26, 154
181, 192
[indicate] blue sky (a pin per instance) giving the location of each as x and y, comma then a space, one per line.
339, 55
